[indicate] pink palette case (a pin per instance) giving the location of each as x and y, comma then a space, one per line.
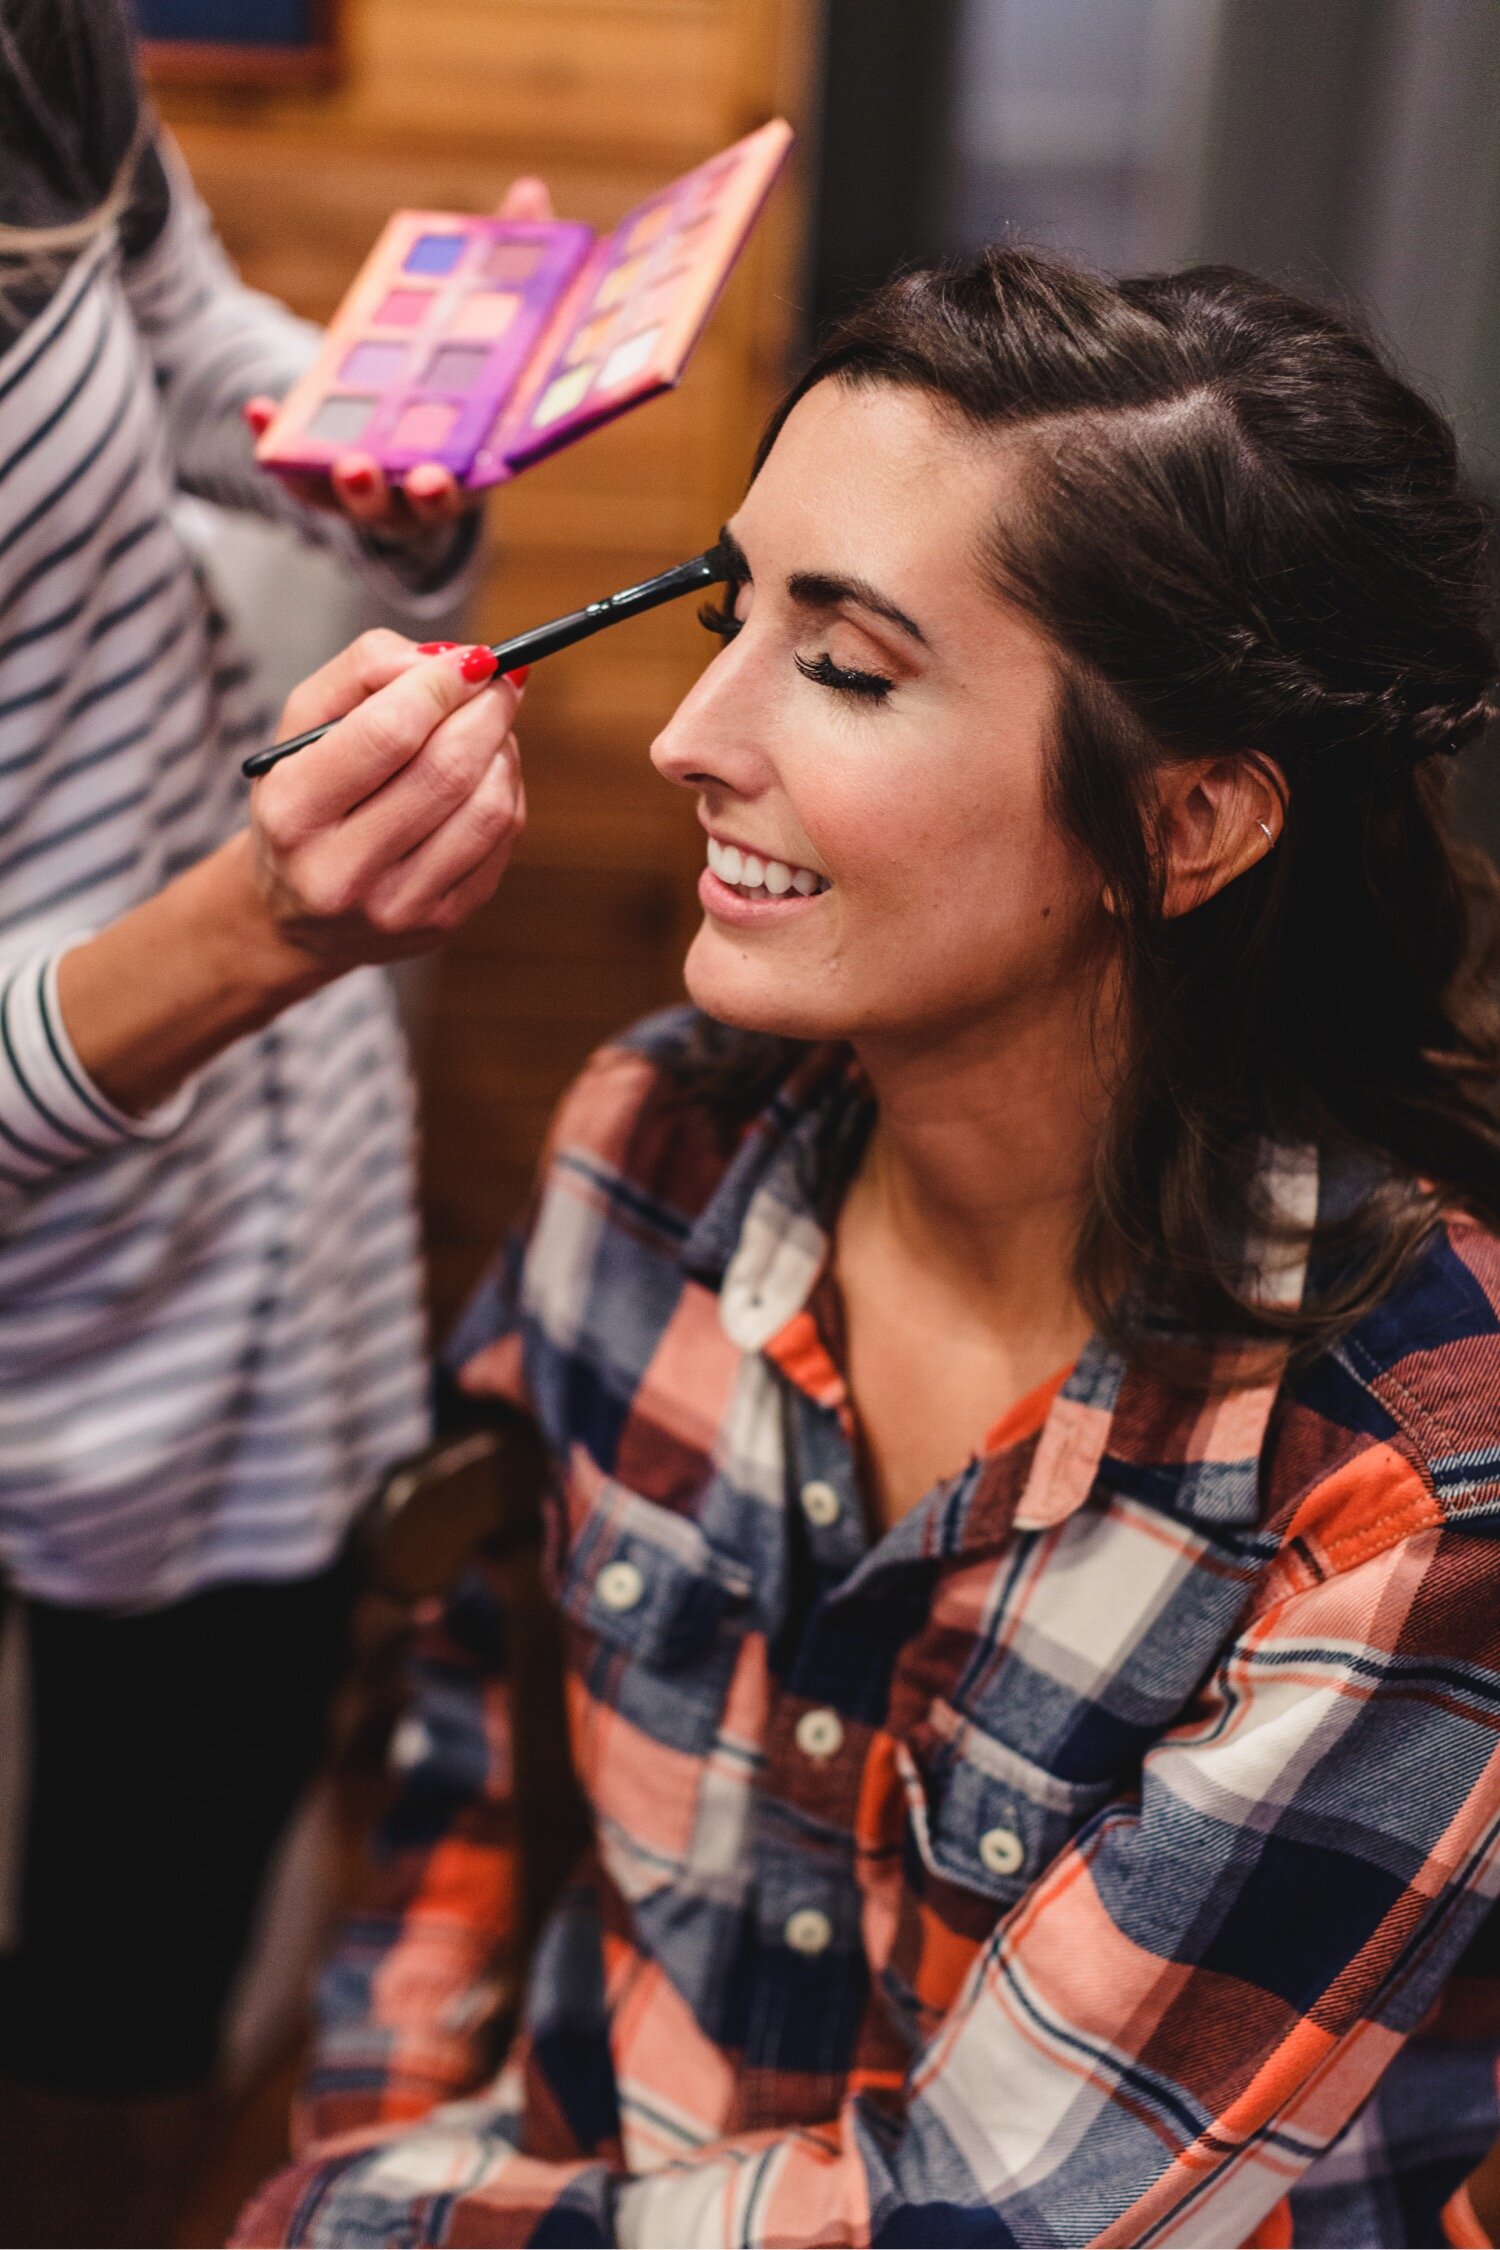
485, 343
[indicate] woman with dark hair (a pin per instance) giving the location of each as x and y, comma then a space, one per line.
211, 1337
1020, 1362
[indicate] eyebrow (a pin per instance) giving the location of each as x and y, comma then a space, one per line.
821, 589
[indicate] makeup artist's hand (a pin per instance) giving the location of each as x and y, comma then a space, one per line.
380, 839
428, 495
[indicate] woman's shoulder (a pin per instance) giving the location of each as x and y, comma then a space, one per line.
645, 1111
1396, 1426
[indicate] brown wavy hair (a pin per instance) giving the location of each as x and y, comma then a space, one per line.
1243, 532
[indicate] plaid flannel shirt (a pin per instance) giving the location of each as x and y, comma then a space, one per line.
1104, 1854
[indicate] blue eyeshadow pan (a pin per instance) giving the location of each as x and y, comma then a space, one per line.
435, 253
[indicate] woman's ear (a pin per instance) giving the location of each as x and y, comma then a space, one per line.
1216, 818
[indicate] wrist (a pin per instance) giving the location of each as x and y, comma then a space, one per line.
156, 995
258, 967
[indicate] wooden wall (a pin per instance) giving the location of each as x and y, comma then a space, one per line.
443, 102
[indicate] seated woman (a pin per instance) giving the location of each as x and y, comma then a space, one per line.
1020, 1362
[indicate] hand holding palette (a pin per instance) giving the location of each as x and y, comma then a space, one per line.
485, 343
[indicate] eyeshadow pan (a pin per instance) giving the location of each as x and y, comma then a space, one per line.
618, 282
373, 363
488, 313
649, 225
455, 367
512, 261
591, 338
424, 425
339, 421
628, 359
434, 253
403, 308
561, 396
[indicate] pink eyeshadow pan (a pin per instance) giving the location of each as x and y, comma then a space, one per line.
426, 424
512, 261
487, 314
403, 308
374, 363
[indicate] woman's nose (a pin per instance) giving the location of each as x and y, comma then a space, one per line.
712, 737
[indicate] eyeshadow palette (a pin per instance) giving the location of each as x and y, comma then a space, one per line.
485, 343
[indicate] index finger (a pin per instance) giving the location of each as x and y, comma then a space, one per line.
386, 732
370, 662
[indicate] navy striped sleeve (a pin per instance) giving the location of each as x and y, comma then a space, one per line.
52, 1115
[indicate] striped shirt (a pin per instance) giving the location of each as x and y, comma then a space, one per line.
211, 1336
1103, 1854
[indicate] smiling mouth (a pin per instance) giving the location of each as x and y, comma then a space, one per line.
756, 878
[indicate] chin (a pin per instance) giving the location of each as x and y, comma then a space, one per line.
749, 995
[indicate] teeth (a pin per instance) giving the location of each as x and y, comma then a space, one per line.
747, 871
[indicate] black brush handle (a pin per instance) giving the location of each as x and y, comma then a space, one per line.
709, 569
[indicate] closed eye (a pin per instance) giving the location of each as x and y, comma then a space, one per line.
869, 687
719, 619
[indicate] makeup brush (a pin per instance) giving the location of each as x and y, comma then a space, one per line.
710, 569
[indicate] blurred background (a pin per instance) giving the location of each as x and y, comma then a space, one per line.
1350, 146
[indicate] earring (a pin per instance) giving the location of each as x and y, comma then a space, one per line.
1265, 830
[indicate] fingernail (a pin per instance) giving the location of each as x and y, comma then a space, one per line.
435, 648
519, 676
478, 663
359, 480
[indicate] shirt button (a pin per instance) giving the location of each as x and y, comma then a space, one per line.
821, 1504
820, 1734
619, 1585
1002, 1850
808, 1931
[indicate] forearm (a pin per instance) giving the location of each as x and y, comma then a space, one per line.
160, 992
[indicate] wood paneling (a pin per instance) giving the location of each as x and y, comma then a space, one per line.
444, 102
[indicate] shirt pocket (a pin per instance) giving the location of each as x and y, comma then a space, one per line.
982, 1824
984, 1820
655, 1616
644, 1581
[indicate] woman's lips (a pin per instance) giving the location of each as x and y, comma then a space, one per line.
742, 912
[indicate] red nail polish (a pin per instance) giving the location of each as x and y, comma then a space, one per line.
478, 663
519, 676
435, 648
359, 480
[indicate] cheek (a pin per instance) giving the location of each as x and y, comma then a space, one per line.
924, 839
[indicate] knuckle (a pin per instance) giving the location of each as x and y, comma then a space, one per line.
387, 915
495, 817
380, 730
329, 892
378, 645
275, 818
454, 765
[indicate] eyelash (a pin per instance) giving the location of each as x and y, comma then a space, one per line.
866, 687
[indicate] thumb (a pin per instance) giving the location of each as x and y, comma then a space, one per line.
527, 199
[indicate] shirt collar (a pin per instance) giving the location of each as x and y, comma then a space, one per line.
1193, 1449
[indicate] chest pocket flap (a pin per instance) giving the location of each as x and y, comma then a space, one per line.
645, 1580
981, 1815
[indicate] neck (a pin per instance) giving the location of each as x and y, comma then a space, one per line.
982, 1155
